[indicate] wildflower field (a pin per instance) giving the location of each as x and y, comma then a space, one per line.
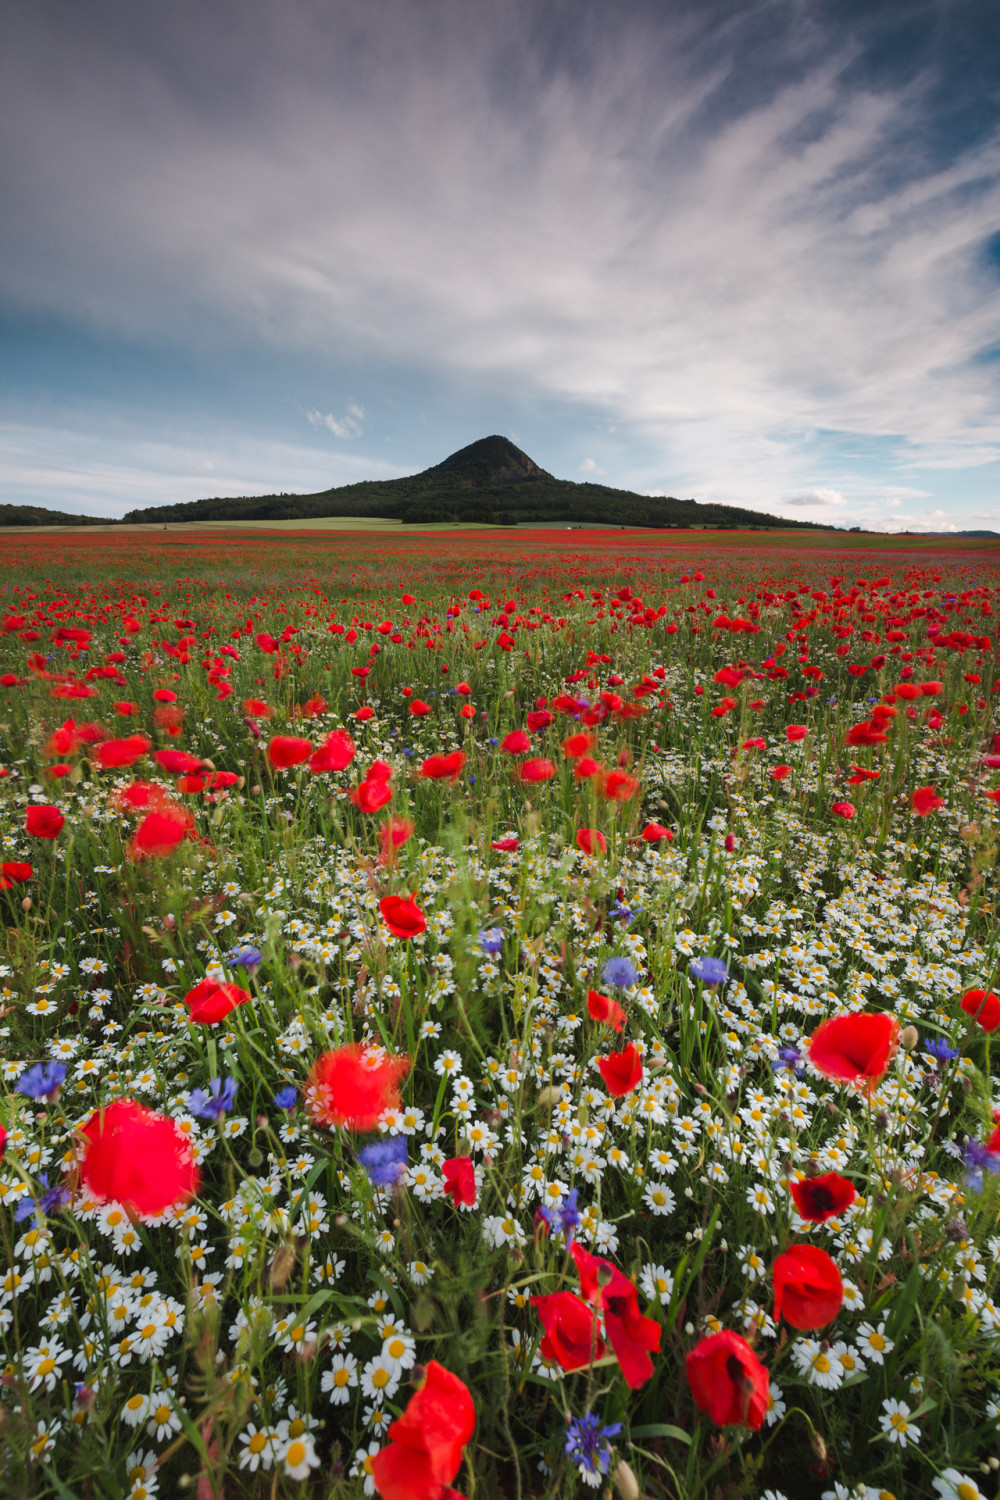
500, 1016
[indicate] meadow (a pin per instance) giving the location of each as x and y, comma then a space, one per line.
500, 1015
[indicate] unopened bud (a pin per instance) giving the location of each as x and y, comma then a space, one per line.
26, 904
818, 1446
910, 1037
626, 1483
281, 1267
549, 1095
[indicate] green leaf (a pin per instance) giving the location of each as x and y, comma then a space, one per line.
661, 1429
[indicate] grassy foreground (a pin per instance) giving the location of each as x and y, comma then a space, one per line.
590, 839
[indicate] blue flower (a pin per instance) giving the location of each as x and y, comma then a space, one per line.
213, 1105
978, 1159
285, 1098
939, 1048
565, 1219
620, 973
789, 1059
621, 913
385, 1161
491, 940
42, 1081
709, 970
245, 957
587, 1443
51, 1199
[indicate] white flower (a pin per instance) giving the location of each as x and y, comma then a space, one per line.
258, 1448
340, 1378
655, 1283
775, 1404
379, 1379
163, 1418
872, 1342
659, 1199
896, 1424
955, 1486
817, 1364
299, 1457
363, 1466
135, 1409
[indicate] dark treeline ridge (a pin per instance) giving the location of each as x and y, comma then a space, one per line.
37, 515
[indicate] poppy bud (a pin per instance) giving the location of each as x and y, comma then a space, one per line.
909, 1038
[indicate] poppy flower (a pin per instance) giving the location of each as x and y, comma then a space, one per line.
728, 1381
353, 1085
419, 709
983, 1008
14, 871
515, 743
539, 718
855, 1048
444, 767
256, 708
402, 916
126, 752
603, 1008
617, 786
57, 772
621, 1071
589, 840
576, 745
136, 1157
334, 754
506, 846
372, 793
393, 834
586, 767
43, 821
424, 1451
808, 1290
210, 1001
536, 770
925, 800
164, 695
125, 710
178, 762
286, 750
866, 733
266, 643
571, 1339
160, 833
460, 1180
844, 809
780, 773
655, 833
859, 775
632, 1336
365, 713
795, 732
820, 1198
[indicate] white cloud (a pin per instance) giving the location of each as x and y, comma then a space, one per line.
820, 496
348, 426
589, 466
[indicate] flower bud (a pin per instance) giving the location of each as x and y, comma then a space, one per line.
909, 1037
625, 1482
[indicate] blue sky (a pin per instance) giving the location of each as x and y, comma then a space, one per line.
746, 252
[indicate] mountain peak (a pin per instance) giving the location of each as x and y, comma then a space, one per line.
490, 461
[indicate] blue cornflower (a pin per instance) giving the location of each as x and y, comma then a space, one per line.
789, 1059
384, 1161
285, 1098
51, 1199
977, 1161
42, 1081
565, 1219
491, 940
621, 973
621, 913
213, 1105
587, 1444
939, 1048
245, 957
709, 970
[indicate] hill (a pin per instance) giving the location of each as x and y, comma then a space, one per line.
490, 482
37, 515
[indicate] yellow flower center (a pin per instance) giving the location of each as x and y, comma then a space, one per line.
295, 1455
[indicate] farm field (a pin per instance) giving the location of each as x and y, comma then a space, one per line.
499, 1015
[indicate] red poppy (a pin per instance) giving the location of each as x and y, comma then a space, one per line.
419, 709
808, 1290
136, 1157
507, 846
365, 713
14, 871
160, 833
164, 695
603, 1008
856, 1048
393, 834
178, 762
515, 743
795, 732
125, 710
589, 840
728, 1381
62, 741
571, 1339
124, 752
621, 1071
536, 770
576, 745
859, 774
820, 1198
334, 754
983, 1007
372, 793
286, 750
631, 1335
779, 773
925, 800
353, 1085
655, 833
209, 1001
586, 767
866, 733
57, 772
402, 916
617, 786
460, 1180
424, 1451
844, 809
539, 718
256, 708
43, 821
444, 767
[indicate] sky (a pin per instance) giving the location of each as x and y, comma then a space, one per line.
732, 250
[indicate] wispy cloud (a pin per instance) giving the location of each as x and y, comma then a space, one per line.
590, 466
351, 425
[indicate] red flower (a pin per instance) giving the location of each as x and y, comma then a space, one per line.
419, 709
603, 1008
372, 793
621, 1071
855, 1048
43, 821
576, 745
859, 774
444, 767
571, 1338
424, 1451
823, 1197
365, 713
507, 846
3, 1141
617, 786
209, 1001
779, 773
14, 870
654, 833
589, 840
925, 800
286, 750
983, 1007
460, 1180
515, 743
256, 708
539, 718
808, 1291
393, 834
353, 1085
137, 1158
334, 754
844, 809
631, 1335
164, 695
178, 762
160, 833
795, 732
866, 733
728, 1381
402, 916
122, 752
536, 770
125, 710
